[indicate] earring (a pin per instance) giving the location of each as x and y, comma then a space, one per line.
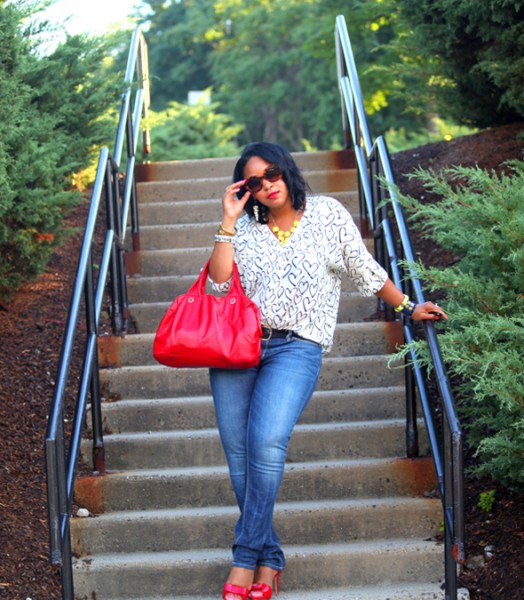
255, 210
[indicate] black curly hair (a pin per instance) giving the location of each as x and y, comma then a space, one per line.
275, 155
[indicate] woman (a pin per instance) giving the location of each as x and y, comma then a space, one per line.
291, 252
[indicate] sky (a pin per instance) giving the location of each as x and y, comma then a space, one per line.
94, 16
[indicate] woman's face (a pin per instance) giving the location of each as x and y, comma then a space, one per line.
273, 194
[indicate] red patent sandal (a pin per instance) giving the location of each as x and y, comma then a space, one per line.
234, 590
263, 591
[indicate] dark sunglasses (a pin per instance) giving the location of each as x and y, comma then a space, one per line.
272, 174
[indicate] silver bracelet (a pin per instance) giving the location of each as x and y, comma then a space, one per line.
224, 238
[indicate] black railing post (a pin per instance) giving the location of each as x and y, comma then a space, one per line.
99, 462
130, 136
341, 73
119, 255
62, 460
458, 496
64, 507
116, 300
412, 448
131, 144
94, 379
53, 502
68, 592
450, 564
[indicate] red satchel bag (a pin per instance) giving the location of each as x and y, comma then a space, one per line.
202, 330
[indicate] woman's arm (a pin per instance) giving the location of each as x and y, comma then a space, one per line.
423, 312
221, 262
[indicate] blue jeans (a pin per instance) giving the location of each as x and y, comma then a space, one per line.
256, 411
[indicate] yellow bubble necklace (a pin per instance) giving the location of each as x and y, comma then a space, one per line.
283, 236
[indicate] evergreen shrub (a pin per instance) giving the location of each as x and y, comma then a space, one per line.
473, 55
54, 111
183, 132
480, 217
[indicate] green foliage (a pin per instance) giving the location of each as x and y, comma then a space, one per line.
480, 218
52, 109
178, 48
278, 80
77, 86
470, 54
486, 500
388, 66
272, 64
273, 78
188, 132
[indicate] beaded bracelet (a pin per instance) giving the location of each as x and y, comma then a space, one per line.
224, 238
223, 231
406, 307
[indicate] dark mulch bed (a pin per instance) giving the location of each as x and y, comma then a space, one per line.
32, 326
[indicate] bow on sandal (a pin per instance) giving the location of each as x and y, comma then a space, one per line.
231, 590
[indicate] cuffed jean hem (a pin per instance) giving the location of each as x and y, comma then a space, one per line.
250, 567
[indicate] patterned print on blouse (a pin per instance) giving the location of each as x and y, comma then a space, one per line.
297, 285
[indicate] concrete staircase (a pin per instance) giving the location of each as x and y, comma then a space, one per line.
356, 518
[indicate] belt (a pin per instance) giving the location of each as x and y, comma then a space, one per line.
268, 333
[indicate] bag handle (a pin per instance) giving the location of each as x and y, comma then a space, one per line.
199, 287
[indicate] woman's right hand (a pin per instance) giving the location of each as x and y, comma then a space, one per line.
221, 263
232, 206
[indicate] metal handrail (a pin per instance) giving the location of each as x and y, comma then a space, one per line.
62, 448
378, 203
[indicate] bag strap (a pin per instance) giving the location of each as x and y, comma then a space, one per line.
199, 287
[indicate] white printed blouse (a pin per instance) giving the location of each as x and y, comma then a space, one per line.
297, 285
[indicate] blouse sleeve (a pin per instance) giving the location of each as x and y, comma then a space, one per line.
361, 267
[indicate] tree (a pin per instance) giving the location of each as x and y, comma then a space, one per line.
178, 48
474, 54
280, 79
272, 64
52, 112
182, 132
268, 74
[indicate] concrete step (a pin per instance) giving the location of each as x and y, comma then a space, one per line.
204, 210
320, 182
223, 167
167, 288
336, 521
202, 447
350, 339
202, 571
210, 486
179, 236
197, 412
181, 212
406, 591
171, 261
168, 262
166, 236
353, 308
165, 382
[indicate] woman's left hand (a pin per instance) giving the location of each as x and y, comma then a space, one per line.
428, 312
